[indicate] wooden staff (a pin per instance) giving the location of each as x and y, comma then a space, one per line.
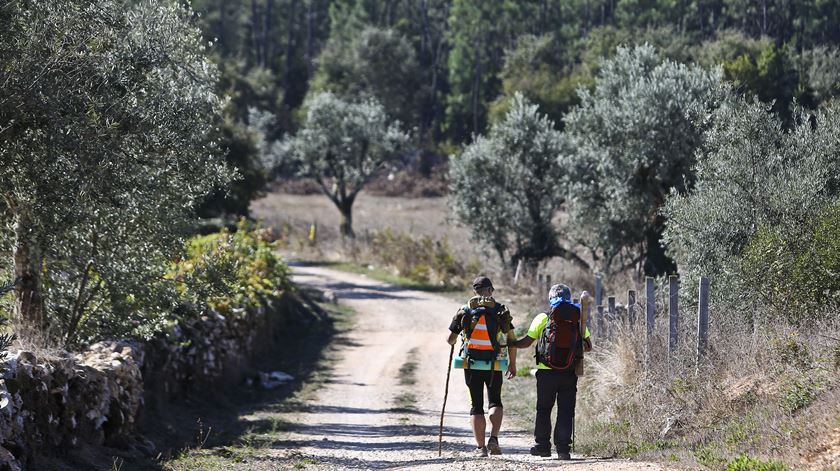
445, 395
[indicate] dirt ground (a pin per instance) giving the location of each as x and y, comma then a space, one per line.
364, 418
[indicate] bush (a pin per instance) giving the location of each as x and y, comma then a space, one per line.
420, 259
798, 275
228, 270
746, 463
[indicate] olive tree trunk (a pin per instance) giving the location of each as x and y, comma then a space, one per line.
28, 258
346, 226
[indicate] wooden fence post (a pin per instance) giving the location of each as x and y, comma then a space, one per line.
518, 272
631, 307
702, 320
673, 313
540, 292
650, 304
602, 325
611, 318
650, 311
548, 284
599, 290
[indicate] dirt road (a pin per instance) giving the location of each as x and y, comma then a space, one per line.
363, 418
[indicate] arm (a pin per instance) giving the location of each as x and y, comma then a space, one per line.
524, 342
511, 371
455, 327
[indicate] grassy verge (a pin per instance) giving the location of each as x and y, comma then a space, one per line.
244, 427
406, 402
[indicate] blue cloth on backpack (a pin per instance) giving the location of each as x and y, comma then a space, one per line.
554, 302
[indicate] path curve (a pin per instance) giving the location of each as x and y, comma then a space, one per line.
352, 421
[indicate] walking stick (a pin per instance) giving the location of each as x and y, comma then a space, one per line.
445, 395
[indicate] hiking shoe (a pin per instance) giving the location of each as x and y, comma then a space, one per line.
540, 450
493, 446
563, 456
480, 451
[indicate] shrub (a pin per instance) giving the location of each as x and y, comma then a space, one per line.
747, 463
420, 259
229, 270
797, 275
798, 394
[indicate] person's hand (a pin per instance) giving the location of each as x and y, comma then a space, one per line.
511, 371
585, 295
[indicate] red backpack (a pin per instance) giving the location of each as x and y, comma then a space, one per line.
560, 343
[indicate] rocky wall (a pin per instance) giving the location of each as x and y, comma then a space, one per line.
48, 402
52, 401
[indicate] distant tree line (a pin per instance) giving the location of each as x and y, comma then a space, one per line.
448, 67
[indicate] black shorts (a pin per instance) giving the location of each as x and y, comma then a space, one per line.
476, 381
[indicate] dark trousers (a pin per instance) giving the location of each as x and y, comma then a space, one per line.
560, 388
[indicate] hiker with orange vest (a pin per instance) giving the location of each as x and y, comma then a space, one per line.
486, 329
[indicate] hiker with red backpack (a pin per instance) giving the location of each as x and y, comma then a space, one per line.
562, 338
486, 331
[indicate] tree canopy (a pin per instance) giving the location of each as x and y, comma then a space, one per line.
342, 145
105, 150
506, 187
759, 187
631, 141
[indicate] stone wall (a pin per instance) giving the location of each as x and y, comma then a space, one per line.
48, 401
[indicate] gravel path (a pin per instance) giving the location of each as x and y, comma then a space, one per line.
354, 421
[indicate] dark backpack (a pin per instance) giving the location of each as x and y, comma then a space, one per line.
560, 343
489, 317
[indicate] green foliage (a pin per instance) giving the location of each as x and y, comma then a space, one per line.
242, 153
537, 67
226, 271
6, 338
421, 259
748, 463
727, 46
105, 150
808, 265
821, 67
709, 456
631, 141
479, 34
771, 75
505, 187
753, 218
797, 394
375, 63
342, 146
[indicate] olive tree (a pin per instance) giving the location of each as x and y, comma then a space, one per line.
633, 139
105, 112
506, 187
754, 176
342, 145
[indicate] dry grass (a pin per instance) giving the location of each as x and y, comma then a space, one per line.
763, 391
418, 216
293, 214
